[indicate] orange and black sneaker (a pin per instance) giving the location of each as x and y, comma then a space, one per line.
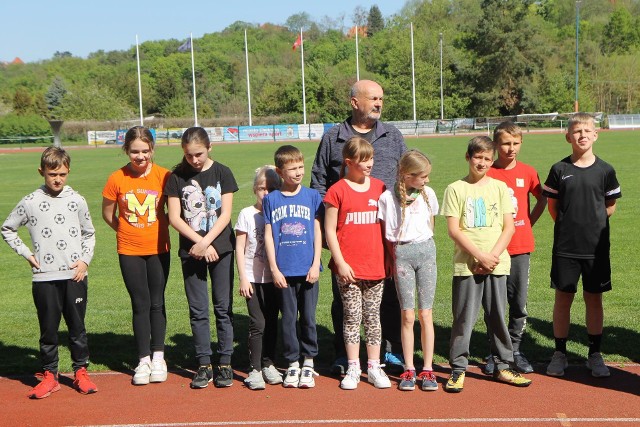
48, 384
83, 383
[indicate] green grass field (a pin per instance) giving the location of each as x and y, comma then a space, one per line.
109, 312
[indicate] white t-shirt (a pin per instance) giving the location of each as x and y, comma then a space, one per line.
417, 217
256, 266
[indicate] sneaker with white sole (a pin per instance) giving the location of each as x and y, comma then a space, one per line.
255, 381
351, 378
597, 367
377, 377
429, 381
558, 364
158, 371
306, 377
271, 375
292, 378
408, 380
142, 374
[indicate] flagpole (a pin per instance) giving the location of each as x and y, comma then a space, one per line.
304, 99
357, 58
441, 91
413, 76
193, 79
246, 56
139, 81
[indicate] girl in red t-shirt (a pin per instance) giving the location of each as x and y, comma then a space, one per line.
354, 237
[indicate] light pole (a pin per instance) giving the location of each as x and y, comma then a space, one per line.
575, 104
441, 92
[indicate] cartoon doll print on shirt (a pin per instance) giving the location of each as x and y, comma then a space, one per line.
200, 206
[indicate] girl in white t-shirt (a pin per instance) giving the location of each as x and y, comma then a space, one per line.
256, 284
408, 212
354, 237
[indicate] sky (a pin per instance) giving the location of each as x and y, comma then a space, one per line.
34, 30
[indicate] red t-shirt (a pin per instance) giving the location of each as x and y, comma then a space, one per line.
143, 226
359, 231
521, 180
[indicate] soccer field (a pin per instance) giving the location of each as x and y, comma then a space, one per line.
109, 311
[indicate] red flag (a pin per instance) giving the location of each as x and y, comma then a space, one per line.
297, 43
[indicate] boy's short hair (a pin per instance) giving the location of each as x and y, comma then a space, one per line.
480, 143
287, 154
581, 118
508, 127
54, 158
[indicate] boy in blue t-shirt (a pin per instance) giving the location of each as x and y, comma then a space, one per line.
293, 245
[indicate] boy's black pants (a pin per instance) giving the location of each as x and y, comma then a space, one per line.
53, 300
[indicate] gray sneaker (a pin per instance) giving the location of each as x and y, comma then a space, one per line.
271, 375
558, 364
597, 366
203, 377
223, 376
489, 365
521, 363
254, 381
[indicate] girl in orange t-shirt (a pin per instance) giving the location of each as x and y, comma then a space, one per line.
133, 205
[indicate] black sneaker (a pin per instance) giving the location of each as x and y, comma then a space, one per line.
339, 366
489, 365
203, 377
223, 376
521, 363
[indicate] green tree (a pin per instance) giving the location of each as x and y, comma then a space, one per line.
87, 103
375, 21
298, 21
54, 96
620, 33
506, 53
22, 102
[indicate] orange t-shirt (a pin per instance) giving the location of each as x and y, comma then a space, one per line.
143, 225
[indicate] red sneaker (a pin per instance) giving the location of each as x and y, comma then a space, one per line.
48, 384
83, 383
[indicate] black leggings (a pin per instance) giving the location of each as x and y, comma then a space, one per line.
146, 279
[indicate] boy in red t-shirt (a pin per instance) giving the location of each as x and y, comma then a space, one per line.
522, 180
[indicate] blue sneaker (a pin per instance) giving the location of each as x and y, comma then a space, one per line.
394, 362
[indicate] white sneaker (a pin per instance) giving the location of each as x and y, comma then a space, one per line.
271, 375
377, 377
158, 371
292, 378
351, 378
597, 367
306, 377
142, 374
255, 381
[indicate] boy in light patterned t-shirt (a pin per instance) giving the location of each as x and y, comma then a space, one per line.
62, 234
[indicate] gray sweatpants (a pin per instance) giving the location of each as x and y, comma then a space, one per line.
469, 292
517, 290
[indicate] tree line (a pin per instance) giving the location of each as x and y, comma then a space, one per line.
499, 57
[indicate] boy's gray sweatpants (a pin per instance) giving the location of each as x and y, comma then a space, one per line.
469, 293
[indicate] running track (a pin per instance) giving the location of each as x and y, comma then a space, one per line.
576, 400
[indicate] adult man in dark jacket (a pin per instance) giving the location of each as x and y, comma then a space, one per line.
388, 144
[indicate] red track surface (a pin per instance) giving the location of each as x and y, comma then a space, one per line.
576, 400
